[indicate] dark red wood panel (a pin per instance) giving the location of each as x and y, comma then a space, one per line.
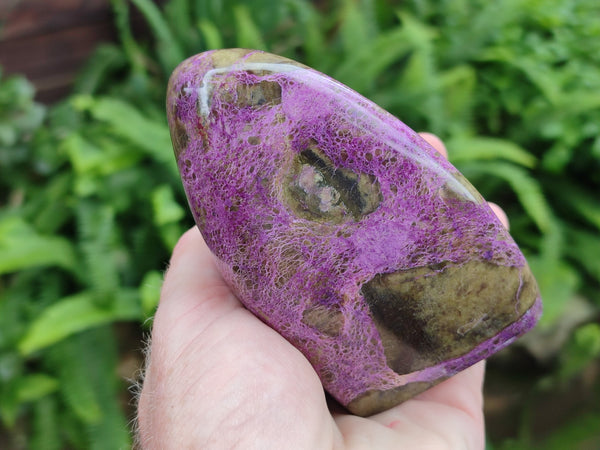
49, 40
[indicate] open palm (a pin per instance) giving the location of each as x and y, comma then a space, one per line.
217, 377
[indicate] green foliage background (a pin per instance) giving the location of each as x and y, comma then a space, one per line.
91, 204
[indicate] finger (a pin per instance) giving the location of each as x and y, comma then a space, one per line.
193, 295
191, 271
193, 282
500, 214
449, 415
215, 369
435, 142
463, 391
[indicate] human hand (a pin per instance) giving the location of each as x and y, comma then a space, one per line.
217, 377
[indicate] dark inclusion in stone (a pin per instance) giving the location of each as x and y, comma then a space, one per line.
338, 226
318, 190
417, 311
258, 94
179, 137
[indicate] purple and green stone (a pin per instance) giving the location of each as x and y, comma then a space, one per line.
342, 229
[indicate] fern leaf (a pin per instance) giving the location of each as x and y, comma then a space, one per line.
211, 35
34, 386
169, 50
526, 188
131, 48
484, 148
311, 29
45, 427
584, 247
21, 247
360, 70
97, 230
128, 123
105, 59
355, 29
110, 430
74, 314
178, 14
150, 291
76, 387
558, 283
248, 34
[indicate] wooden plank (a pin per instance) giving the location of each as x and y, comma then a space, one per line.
40, 17
49, 40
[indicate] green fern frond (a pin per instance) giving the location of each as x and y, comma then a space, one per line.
169, 50
526, 188
248, 34
46, 434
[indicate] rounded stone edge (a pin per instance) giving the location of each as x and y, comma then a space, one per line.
376, 401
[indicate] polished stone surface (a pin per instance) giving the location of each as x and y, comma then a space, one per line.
342, 229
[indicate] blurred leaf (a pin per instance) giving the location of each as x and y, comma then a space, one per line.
15, 92
473, 26
578, 102
74, 314
585, 248
35, 386
168, 48
312, 31
355, 29
580, 433
178, 14
10, 363
21, 247
360, 69
211, 35
419, 74
51, 208
526, 188
24, 389
98, 243
130, 46
558, 283
20, 115
557, 157
129, 123
248, 35
166, 208
581, 350
77, 388
84, 156
457, 85
150, 291
167, 214
539, 75
46, 430
89, 386
88, 158
584, 203
104, 60
547, 341
9, 406
484, 148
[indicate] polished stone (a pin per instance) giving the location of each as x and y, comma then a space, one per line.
342, 229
